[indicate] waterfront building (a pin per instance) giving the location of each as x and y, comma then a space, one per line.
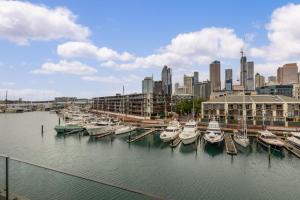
228, 79
287, 74
143, 104
166, 78
188, 84
158, 87
147, 85
250, 76
273, 109
259, 80
215, 75
202, 90
285, 90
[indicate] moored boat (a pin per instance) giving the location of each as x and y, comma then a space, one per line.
124, 129
268, 139
213, 134
294, 139
190, 132
171, 132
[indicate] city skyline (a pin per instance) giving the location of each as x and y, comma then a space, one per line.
95, 52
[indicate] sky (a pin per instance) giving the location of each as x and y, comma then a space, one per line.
93, 48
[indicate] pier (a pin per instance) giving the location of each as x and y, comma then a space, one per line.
142, 135
230, 146
292, 149
175, 142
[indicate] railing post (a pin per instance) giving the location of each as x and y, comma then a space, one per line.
6, 177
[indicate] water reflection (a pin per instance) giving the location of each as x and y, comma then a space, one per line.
185, 149
213, 150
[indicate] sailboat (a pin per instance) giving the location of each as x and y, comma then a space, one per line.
240, 136
121, 129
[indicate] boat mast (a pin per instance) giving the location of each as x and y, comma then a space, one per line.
6, 100
193, 102
123, 104
244, 123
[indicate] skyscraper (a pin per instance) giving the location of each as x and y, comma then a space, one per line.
287, 74
147, 85
188, 83
250, 76
243, 72
228, 79
157, 87
196, 77
215, 76
166, 78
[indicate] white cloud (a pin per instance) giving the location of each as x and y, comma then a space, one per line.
88, 50
190, 49
65, 67
113, 79
30, 94
283, 34
7, 83
21, 22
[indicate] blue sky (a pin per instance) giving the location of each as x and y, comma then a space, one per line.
86, 49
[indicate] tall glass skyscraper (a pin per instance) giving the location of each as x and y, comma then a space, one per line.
166, 78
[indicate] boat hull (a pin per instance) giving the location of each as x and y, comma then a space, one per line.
244, 142
265, 144
168, 138
213, 141
189, 140
64, 129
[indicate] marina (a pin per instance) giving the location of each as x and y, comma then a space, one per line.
98, 159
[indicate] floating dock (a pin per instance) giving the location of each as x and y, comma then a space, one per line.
142, 135
230, 146
175, 142
292, 149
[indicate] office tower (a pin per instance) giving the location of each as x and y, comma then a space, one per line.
243, 72
215, 76
250, 76
176, 88
147, 85
228, 79
196, 77
157, 87
188, 83
166, 78
259, 80
202, 90
287, 74
272, 79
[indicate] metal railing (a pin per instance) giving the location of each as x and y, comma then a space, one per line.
25, 180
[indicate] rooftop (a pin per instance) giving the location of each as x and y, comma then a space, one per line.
254, 99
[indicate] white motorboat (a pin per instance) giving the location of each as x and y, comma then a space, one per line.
267, 138
124, 129
294, 139
213, 134
171, 132
189, 133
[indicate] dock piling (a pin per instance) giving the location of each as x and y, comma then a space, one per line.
6, 178
42, 129
59, 121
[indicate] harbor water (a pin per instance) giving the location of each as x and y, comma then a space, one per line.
195, 171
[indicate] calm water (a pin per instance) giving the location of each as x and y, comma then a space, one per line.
187, 172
